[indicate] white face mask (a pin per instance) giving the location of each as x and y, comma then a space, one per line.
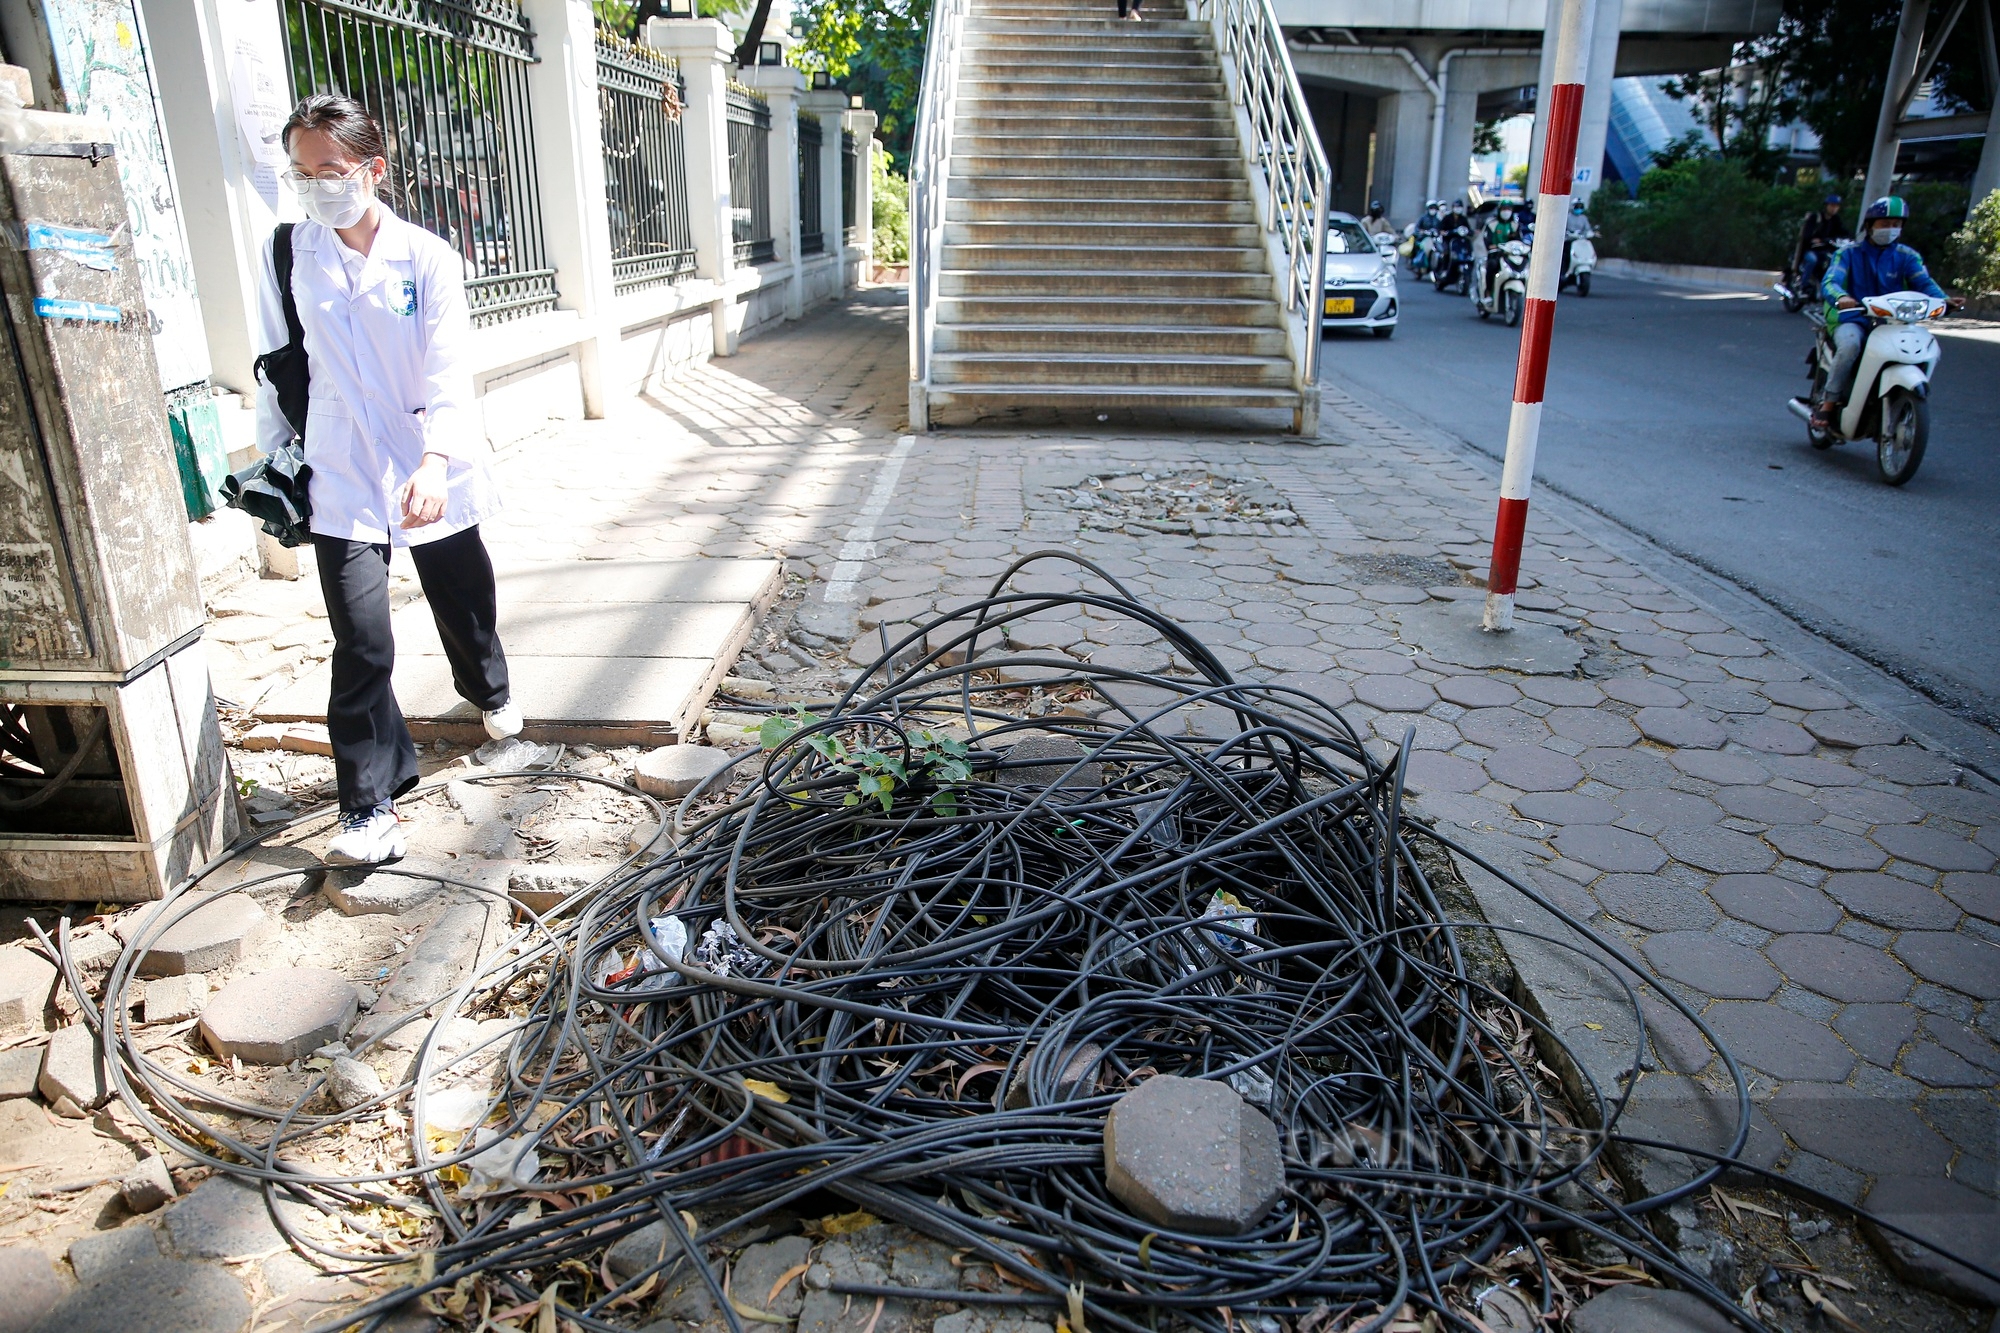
1886, 235
335, 203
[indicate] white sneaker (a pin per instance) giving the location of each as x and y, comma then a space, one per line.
503, 721
367, 838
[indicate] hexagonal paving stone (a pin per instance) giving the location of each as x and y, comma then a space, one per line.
1801, 694
1683, 728
1630, 769
1775, 903
1726, 697
1652, 645
1588, 726
1945, 1213
1850, 728
278, 1016
1394, 694
1839, 969
1477, 692
1911, 765
1663, 808
1720, 851
1727, 768
1866, 805
1610, 848
1768, 805
1977, 894
1712, 965
1877, 1031
1932, 1064
1933, 847
1958, 961
1561, 692
1280, 634
1826, 847
1779, 1042
1654, 902
1770, 735
1497, 727
1895, 903
1813, 771
1859, 1130
1964, 804
1562, 808
1643, 693
1432, 771
218, 934
1192, 1155
1531, 768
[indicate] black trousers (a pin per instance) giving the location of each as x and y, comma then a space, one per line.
374, 759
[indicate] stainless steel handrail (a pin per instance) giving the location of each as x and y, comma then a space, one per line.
1287, 155
930, 167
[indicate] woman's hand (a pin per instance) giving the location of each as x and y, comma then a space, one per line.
422, 496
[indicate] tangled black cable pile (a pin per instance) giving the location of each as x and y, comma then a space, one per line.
916, 958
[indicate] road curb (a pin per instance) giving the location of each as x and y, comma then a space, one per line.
1691, 275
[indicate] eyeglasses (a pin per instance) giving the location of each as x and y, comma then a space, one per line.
331, 186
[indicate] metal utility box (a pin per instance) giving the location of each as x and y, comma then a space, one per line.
113, 779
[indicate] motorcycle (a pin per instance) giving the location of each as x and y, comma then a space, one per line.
1799, 285
1423, 254
1454, 259
1890, 401
1506, 293
1579, 259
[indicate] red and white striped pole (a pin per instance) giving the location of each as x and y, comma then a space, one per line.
1524, 426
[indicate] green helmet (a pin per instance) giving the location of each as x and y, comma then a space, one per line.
1888, 206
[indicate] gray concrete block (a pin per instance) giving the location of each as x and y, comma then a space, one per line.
223, 1218
1060, 754
154, 1294
173, 999
758, 1270
276, 1017
544, 886
350, 1083
441, 957
672, 771
1078, 1078
150, 1185
26, 981
634, 1254
385, 890
31, 1284
1647, 1310
19, 1071
1190, 1155
103, 1254
73, 1067
216, 935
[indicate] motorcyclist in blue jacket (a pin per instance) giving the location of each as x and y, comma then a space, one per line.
1877, 265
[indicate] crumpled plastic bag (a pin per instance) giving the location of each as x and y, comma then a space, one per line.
514, 753
501, 1166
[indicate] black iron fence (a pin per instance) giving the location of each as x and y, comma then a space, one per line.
850, 175
750, 176
640, 94
812, 233
449, 82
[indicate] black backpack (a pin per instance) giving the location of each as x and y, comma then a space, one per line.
285, 369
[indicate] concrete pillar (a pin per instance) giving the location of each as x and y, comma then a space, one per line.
830, 107
1461, 122
569, 162
223, 88
1986, 176
1596, 122
862, 125
1902, 68
782, 85
706, 54
1402, 153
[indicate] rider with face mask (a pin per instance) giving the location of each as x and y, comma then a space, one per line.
1499, 229
1878, 265
397, 450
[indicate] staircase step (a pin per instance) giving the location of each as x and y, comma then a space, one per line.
1146, 128
1159, 166
1162, 105
1081, 70
1150, 234
1109, 369
1072, 147
1063, 340
1095, 311
1099, 258
1070, 188
1181, 32
1057, 283
1114, 212
991, 398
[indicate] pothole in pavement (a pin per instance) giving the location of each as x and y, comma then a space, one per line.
1178, 500
1409, 569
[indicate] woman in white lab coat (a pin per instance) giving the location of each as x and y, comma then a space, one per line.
397, 452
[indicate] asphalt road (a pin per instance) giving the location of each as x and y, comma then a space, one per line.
1666, 411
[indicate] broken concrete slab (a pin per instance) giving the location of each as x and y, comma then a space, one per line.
760, 1268
400, 889
350, 1083
440, 959
31, 1284
223, 1218
149, 1185
1192, 1155
220, 933
102, 1254
195, 1298
174, 999
19, 1070
542, 887
672, 771
26, 981
1058, 766
275, 1017
1078, 1077
1632, 1309
73, 1067
1450, 632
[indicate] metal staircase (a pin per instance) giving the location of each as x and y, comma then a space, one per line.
1112, 214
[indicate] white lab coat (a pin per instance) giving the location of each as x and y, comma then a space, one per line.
389, 380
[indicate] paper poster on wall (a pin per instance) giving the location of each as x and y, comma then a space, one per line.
262, 98
101, 60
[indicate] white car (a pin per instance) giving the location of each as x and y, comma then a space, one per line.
1360, 281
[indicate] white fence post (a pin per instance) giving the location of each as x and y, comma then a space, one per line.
569, 163
830, 107
862, 125
782, 85
707, 59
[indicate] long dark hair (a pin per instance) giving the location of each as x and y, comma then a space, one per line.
341, 119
